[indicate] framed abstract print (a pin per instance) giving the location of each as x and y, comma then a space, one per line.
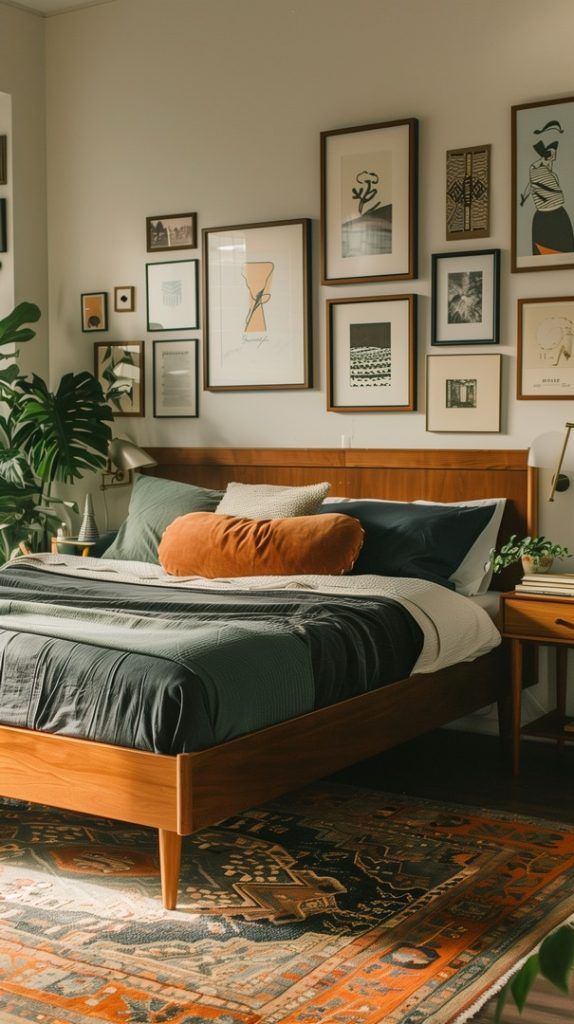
120, 368
466, 298
545, 348
257, 295
124, 299
463, 394
468, 193
171, 231
173, 295
369, 203
94, 311
175, 379
543, 185
371, 354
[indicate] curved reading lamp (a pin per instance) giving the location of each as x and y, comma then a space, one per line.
125, 456
560, 482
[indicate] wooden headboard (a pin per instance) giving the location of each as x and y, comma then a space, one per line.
402, 474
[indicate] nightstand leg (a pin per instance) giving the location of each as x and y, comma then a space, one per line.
516, 654
561, 672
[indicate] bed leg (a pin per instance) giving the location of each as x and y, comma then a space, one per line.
169, 865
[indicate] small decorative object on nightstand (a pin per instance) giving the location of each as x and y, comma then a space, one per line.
83, 547
532, 617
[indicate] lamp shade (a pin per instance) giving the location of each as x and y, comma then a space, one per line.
127, 456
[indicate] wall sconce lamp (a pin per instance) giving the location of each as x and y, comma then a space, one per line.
560, 482
125, 456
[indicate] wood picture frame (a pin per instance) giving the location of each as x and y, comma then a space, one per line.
170, 232
371, 353
464, 393
544, 349
119, 366
465, 302
182, 400
542, 185
3, 226
369, 203
94, 312
172, 295
468, 193
257, 303
3, 159
124, 298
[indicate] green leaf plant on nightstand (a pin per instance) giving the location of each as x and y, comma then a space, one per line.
45, 437
537, 554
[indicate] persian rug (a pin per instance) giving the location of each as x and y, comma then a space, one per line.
334, 905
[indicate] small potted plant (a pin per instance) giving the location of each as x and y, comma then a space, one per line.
537, 554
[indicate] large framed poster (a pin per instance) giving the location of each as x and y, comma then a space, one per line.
543, 185
369, 203
257, 282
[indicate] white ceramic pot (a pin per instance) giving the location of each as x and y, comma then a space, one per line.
532, 564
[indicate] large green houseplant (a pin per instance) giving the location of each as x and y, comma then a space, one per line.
45, 437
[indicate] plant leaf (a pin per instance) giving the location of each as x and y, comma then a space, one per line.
522, 982
557, 957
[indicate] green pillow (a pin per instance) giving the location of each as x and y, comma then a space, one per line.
154, 504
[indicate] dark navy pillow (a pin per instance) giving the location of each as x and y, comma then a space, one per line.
404, 539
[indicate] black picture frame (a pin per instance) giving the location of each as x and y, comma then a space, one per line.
100, 311
465, 332
154, 244
156, 404
164, 268
3, 226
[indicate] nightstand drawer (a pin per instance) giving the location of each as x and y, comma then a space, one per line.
548, 620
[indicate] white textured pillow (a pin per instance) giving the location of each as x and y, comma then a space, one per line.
269, 501
470, 578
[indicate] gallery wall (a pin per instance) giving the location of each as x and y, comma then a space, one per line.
22, 81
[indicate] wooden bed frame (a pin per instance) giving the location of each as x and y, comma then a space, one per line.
179, 794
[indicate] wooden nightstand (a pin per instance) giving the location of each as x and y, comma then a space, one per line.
538, 619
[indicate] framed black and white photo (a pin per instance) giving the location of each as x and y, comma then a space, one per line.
463, 393
543, 185
175, 378
173, 295
3, 227
545, 348
468, 193
94, 311
466, 298
120, 368
371, 354
124, 299
257, 306
171, 231
369, 203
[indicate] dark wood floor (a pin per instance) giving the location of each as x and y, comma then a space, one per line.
468, 768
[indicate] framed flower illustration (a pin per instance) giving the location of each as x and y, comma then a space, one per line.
466, 298
120, 368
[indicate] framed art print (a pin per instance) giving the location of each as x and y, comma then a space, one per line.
3, 159
3, 227
257, 306
94, 311
124, 299
173, 295
369, 203
120, 369
463, 394
466, 298
171, 231
371, 354
175, 378
545, 348
468, 193
543, 185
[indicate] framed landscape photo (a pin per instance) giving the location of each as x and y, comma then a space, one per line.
173, 295
468, 193
463, 393
124, 299
175, 379
545, 348
257, 288
371, 354
543, 185
171, 231
94, 311
465, 307
369, 203
120, 368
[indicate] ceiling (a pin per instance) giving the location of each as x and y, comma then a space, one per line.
48, 7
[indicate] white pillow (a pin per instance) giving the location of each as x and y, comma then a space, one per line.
269, 501
470, 577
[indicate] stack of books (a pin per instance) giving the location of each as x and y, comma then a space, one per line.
561, 584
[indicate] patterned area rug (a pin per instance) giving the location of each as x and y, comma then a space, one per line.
334, 905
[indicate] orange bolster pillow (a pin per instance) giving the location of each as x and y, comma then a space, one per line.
212, 545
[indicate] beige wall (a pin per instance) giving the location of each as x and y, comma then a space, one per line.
22, 77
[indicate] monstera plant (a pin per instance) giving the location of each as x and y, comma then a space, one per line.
45, 437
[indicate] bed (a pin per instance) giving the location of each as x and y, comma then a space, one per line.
180, 793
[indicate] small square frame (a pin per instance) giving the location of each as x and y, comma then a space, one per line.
124, 298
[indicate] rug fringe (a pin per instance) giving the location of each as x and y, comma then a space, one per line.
502, 981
